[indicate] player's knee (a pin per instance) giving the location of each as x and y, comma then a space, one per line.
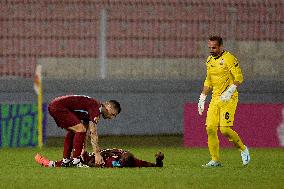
211, 130
79, 128
225, 131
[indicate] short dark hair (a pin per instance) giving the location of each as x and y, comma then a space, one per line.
127, 159
216, 38
115, 105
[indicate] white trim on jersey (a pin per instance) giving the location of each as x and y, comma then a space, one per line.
82, 96
83, 111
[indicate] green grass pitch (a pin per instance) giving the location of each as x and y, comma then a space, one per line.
182, 167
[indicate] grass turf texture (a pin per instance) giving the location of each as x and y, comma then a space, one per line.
182, 167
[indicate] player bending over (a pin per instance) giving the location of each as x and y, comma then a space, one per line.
112, 158
68, 113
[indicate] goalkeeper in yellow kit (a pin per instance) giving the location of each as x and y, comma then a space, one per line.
223, 76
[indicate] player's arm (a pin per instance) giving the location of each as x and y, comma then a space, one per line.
206, 89
234, 67
141, 163
94, 142
236, 71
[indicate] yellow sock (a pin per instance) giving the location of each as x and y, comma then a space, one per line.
213, 142
232, 136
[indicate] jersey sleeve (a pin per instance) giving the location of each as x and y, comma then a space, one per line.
235, 69
207, 81
94, 115
94, 112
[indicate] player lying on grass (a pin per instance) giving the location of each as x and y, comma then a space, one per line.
112, 158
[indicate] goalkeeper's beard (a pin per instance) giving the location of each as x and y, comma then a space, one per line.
214, 54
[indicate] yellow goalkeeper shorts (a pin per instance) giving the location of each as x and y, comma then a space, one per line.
221, 113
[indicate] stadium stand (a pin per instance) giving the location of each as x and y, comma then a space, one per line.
153, 29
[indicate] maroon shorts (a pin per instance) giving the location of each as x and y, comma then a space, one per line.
63, 117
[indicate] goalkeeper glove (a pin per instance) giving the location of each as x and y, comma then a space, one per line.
201, 103
228, 93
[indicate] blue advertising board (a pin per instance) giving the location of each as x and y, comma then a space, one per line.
19, 125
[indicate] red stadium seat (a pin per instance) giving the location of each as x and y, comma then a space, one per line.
148, 28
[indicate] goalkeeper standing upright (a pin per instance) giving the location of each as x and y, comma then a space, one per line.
223, 76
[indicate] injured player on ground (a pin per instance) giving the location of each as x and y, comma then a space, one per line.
112, 158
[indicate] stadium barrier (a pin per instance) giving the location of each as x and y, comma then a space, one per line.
259, 125
144, 41
19, 126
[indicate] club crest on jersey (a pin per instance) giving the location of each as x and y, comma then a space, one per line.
222, 62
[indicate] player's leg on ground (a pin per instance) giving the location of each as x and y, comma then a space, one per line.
213, 146
212, 122
213, 142
64, 118
232, 136
44, 161
68, 144
78, 142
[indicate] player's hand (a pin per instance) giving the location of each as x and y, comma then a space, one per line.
201, 103
83, 151
99, 159
159, 156
226, 96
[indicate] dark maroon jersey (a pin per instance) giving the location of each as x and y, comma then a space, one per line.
114, 158
85, 108
111, 157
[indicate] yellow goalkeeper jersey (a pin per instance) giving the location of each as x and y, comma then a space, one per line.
221, 72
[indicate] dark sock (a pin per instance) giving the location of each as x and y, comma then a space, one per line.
68, 144
78, 143
58, 163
